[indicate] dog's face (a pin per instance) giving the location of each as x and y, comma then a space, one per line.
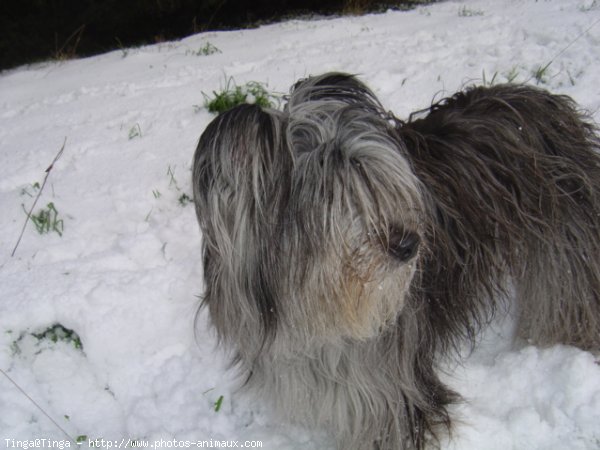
312, 218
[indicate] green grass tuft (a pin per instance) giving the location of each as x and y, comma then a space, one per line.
46, 220
540, 73
185, 199
56, 333
206, 50
489, 82
512, 75
468, 12
234, 95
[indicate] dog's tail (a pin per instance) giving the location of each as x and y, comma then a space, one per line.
514, 174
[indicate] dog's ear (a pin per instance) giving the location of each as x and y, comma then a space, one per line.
237, 171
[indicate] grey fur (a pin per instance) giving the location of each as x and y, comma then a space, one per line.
346, 250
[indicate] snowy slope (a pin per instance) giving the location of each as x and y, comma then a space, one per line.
126, 274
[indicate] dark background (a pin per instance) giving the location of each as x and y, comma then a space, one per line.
34, 30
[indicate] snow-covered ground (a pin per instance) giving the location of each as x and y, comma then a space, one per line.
126, 273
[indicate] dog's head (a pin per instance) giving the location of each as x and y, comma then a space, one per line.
311, 216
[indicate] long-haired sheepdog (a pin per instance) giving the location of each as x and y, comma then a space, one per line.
346, 251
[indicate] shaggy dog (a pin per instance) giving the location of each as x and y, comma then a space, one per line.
346, 251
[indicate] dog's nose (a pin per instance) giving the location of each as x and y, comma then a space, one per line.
403, 245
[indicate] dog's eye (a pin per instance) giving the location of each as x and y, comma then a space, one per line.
403, 245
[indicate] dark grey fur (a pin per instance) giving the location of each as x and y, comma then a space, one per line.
345, 250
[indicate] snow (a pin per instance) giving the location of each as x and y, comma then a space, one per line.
127, 273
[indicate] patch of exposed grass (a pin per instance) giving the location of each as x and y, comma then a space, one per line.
58, 333
46, 220
206, 50
233, 95
469, 12
53, 334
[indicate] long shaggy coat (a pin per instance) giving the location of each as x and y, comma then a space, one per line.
346, 250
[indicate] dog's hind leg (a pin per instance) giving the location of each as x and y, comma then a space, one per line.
558, 295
